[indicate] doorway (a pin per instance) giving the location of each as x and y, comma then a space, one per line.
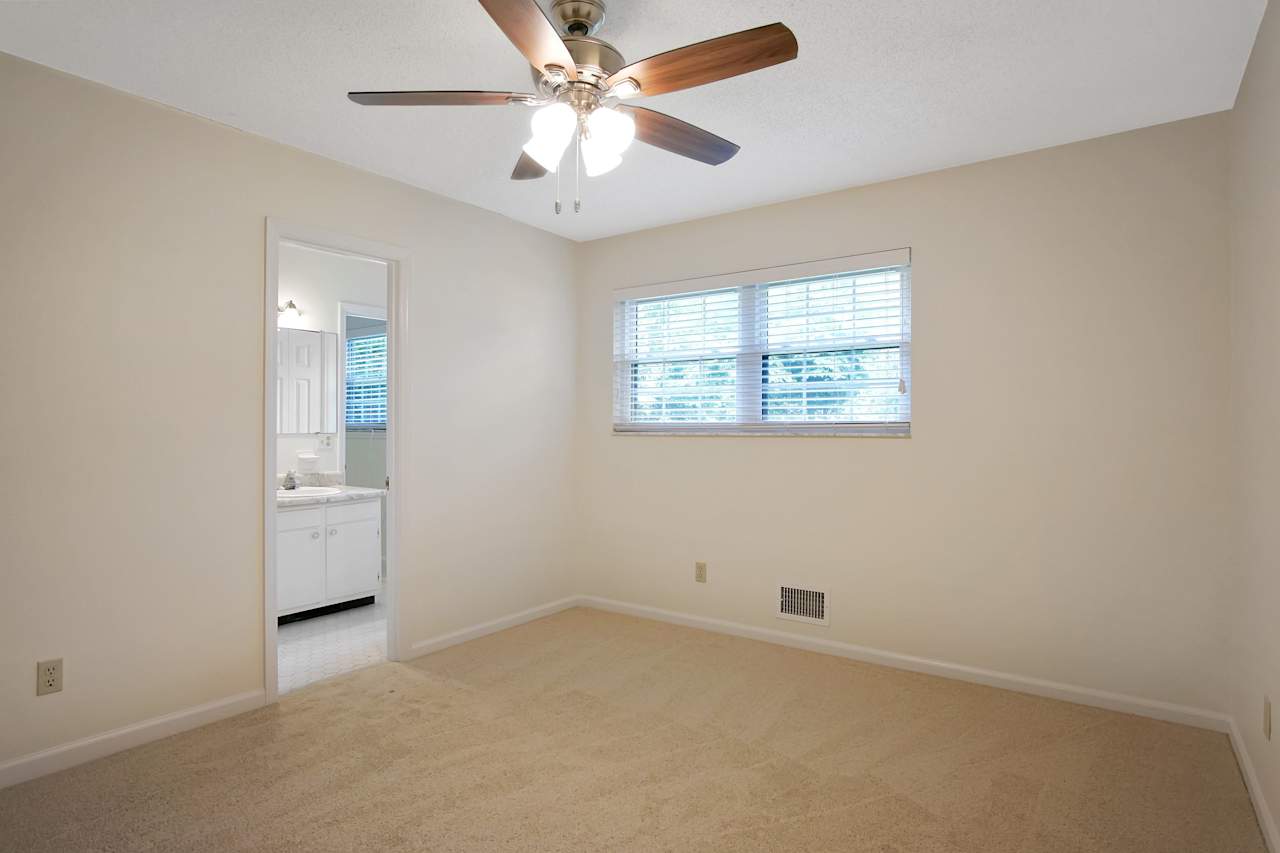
332, 333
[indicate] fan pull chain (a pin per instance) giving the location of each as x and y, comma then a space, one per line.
557, 192
577, 172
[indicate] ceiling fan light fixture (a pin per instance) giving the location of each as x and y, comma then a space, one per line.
611, 129
597, 159
580, 81
547, 154
624, 89
553, 127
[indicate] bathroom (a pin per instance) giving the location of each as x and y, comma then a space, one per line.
330, 512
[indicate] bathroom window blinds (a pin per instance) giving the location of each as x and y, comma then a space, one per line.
366, 381
828, 353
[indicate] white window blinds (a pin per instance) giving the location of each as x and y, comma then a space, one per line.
366, 381
828, 353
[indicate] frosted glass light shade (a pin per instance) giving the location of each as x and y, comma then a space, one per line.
597, 159
553, 128
612, 130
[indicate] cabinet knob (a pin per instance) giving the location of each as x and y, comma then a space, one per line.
315, 534
333, 531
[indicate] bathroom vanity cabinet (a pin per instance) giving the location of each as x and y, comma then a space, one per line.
327, 554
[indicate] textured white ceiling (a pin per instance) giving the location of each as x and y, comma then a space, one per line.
882, 88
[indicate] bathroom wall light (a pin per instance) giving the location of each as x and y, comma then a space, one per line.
289, 310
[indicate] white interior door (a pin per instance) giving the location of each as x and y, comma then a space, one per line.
306, 379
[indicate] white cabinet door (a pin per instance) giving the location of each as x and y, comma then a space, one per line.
354, 558
300, 557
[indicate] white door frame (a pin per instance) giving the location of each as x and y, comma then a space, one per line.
399, 268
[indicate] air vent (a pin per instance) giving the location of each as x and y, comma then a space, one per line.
802, 605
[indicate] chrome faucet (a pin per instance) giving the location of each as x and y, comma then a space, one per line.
290, 481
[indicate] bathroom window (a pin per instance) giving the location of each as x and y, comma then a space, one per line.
366, 381
827, 354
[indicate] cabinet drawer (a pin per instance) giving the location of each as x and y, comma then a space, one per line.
342, 513
296, 519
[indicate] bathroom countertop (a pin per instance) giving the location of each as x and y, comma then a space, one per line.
347, 493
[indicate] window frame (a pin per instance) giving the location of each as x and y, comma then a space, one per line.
365, 426
750, 365
348, 311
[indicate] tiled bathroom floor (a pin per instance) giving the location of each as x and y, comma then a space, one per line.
329, 645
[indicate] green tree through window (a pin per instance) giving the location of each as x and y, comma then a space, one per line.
821, 351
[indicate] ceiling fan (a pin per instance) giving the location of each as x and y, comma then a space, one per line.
581, 84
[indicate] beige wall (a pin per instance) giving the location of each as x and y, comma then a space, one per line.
1255, 373
132, 509
1059, 510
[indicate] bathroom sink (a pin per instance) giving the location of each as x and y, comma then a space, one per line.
306, 492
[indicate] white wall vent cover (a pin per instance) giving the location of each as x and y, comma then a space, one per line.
802, 605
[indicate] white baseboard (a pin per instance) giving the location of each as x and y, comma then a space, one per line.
1265, 819
66, 755
1023, 684
435, 644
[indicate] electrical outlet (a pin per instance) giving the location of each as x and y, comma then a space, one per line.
700, 572
1266, 717
49, 676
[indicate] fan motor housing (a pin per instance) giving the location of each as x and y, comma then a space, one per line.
595, 59
594, 54
578, 21
579, 17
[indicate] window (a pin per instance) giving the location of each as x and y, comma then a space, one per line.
366, 381
827, 353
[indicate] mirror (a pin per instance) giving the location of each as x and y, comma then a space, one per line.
306, 382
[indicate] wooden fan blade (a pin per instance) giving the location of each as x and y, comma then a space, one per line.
679, 137
437, 99
711, 60
533, 35
527, 169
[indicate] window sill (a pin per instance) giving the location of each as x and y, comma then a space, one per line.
900, 430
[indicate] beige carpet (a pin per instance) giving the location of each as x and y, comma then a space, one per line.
592, 731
